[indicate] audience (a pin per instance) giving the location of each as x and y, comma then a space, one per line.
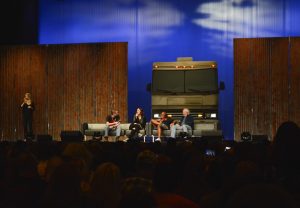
177, 174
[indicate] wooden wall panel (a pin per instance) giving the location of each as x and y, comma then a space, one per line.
243, 104
267, 82
279, 85
20, 72
260, 79
55, 89
295, 80
70, 84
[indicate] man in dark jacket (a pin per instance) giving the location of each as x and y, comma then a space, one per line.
185, 124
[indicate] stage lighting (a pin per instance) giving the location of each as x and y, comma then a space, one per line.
246, 136
213, 115
156, 115
210, 115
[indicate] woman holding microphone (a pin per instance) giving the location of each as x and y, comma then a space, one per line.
27, 110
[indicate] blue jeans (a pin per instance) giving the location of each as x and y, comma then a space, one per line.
184, 128
117, 129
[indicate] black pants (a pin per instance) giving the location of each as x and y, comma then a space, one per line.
135, 129
27, 122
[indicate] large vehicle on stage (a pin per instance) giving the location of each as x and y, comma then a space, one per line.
187, 84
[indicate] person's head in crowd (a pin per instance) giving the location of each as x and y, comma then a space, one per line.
145, 164
52, 164
137, 198
97, 151
247, 172
21, 185
64, 188
261, 196
85, 183
41, 168
286, 147
193, 183
165, 178
24, 165
106, 185
16, 149
287, 132
78, 151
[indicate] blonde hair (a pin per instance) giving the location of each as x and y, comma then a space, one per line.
28, 95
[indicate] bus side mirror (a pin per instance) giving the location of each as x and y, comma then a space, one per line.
222, 86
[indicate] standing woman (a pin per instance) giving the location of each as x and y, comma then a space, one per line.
27, 110
138, 123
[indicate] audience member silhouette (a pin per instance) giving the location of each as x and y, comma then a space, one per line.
106, 186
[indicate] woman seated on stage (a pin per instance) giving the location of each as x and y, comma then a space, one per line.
138, 123
163, 123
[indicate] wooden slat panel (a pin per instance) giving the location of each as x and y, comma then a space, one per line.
295, 80
55, 89
274, 70
18, 76
252, 81
70, 84
279, 92
260, 78
242, 92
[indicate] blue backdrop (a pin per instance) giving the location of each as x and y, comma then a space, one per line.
161, 30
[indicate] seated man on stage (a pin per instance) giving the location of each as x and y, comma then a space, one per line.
185, 124
113, 124
163, 123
